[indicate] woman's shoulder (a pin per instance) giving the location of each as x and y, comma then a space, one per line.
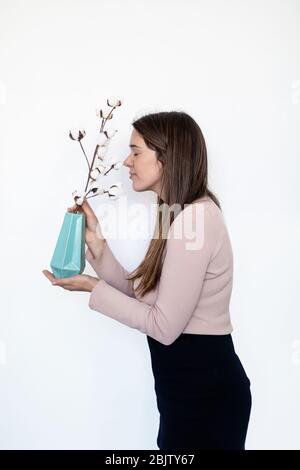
204, 207
211, 208
204, 214
201, 215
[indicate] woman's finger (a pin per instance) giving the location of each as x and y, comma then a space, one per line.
62, 282
74, 209
87, 208
49, 275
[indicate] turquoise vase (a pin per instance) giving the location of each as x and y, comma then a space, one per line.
69, 255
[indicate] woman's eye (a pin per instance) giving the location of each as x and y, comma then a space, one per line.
135, 154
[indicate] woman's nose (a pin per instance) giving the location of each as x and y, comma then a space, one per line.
127, 161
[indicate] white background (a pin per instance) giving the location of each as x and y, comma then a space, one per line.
71, 378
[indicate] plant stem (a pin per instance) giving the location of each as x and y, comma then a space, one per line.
96, 149
108, 170
84, 154
90, 170
94, 195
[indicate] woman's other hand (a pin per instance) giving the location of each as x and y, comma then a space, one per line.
80, 282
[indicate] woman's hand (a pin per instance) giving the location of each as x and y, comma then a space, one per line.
93, 235
92, 226
80, 282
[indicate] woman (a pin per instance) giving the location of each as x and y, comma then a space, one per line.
179, 295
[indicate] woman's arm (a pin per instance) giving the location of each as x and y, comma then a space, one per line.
108, 268
182, 276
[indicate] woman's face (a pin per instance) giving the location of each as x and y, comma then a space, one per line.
142, 163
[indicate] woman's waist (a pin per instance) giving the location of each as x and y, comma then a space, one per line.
192, 350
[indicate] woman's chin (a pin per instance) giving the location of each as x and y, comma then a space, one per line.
137, 187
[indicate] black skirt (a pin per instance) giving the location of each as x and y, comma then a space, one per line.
202, 391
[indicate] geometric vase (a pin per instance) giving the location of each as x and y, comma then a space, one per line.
69, 255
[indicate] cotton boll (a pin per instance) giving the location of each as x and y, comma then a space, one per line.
104, 113
118, 165
113, 102
101, 168
94, 173
95, 186
109, 160
115, 190
76, 194
99, 191
102, 139
101, 152
110, 133
79, 200
76, 134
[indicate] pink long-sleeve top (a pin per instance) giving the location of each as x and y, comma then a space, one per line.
194, 290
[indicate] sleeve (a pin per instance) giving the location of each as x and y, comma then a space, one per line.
109, 268
188, 252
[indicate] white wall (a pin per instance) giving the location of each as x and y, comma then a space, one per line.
72, 378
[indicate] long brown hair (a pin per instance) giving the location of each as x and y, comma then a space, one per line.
180, 146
